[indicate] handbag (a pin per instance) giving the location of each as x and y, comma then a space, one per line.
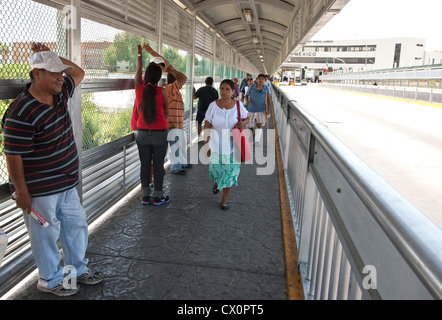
241, 140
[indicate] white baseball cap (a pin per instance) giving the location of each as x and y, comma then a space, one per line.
48, 60
157, 60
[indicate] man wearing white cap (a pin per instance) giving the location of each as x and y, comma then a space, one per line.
42, 162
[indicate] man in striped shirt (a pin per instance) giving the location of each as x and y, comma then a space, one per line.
177, 137
43, 166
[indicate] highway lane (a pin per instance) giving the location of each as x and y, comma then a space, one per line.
402, 141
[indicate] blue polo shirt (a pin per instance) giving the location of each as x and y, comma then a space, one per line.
257, 98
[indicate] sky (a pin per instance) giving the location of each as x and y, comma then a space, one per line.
359, 19
373, 19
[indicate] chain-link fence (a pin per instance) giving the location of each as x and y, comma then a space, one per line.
3, 170
21, 23
108, 53
105, 53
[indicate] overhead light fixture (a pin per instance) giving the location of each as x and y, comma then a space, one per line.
255, 39
247, 15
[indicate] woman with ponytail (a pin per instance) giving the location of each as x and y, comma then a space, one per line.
149, 122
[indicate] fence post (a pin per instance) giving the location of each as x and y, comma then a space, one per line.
73, 31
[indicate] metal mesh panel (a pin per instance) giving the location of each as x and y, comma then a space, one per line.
108, 53
219, 70
106, 116
21, 23
3, 171
227, 70
34, 23
97, 48
203, 67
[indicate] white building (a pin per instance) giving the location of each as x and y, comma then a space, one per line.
433, 57
356, 55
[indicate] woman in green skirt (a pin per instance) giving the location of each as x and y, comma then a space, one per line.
221, 118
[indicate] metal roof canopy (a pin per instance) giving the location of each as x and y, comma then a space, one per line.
265, 32
264, 37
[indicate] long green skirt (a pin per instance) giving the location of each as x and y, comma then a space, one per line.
224, 170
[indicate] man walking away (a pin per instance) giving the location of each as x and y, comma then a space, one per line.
206, 96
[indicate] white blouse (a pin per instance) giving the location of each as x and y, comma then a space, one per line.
223, 121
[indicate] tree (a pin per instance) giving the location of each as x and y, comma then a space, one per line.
175, 59
124, 48
4, 51
110, 57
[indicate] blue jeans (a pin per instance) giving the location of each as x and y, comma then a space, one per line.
67, 222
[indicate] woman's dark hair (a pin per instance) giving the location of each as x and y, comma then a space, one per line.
229, 82
148, 105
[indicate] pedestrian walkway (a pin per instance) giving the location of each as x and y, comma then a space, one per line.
190, 249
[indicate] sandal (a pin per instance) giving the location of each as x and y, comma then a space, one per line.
224, 206
215, 190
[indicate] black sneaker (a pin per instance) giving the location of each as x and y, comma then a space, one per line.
161, 201
181, 172
145, 200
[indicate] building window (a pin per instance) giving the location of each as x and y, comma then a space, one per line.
397, 55
309, 49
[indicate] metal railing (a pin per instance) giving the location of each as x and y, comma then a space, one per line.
109, 173
404, 73
430, 95
357, 237
423, 83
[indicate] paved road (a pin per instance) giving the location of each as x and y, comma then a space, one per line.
402, 141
